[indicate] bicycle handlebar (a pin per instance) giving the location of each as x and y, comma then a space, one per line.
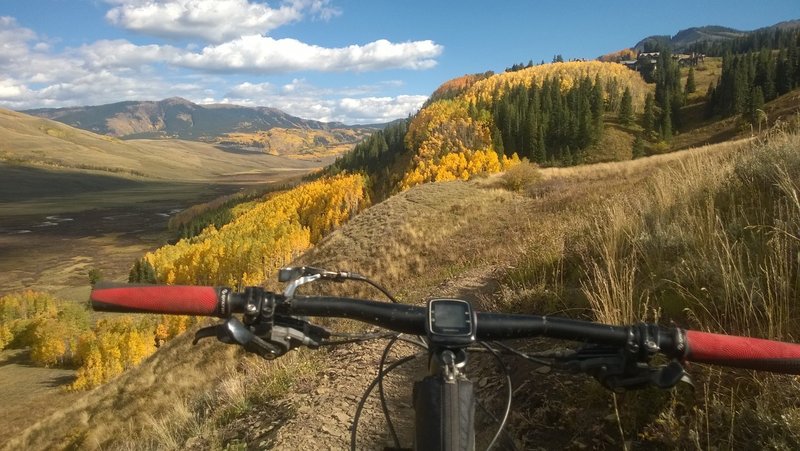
166, 299
743, 352
688, 345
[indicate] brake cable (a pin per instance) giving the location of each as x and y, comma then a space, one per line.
357, 338
363, 401
509, 398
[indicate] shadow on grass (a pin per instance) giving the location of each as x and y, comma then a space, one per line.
59, 381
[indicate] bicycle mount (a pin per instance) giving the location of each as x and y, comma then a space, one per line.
262, 332
626, 368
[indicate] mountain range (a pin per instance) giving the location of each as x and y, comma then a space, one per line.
178, 118
682, 40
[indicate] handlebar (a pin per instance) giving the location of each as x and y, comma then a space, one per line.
166, 299
687, 345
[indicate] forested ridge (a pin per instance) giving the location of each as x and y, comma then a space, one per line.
750, 79
549, 114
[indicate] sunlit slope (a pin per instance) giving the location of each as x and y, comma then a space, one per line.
32, 141
552, 113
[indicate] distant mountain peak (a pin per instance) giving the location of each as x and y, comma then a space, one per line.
684, 39
176, 117
177, 101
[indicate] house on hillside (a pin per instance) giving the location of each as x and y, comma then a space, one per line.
650, 60
692, 59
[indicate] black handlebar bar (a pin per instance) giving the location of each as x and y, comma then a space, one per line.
644, 339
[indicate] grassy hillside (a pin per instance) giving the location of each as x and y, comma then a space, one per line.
30, 141
175, 118
701, 131
297, 143
697, 237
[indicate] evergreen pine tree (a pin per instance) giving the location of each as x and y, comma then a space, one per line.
783, 74
666, 121
626, 108
690, 84
756, 106
142, 272
541, 154
638, 147
598, 108
649, 117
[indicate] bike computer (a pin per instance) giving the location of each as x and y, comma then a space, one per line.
450, 322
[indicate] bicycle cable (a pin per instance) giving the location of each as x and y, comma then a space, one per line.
509, 398
363, 401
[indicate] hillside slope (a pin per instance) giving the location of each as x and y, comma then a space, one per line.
446, 239
406, 238
685, 39
176, 118
32, 141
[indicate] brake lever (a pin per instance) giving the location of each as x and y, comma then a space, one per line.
278, 339
617, 371
232, 331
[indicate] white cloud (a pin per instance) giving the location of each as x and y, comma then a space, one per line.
38, 72
249, 90
11, 90
264, 54
302, 99
380, 109
13, 39
121, 53
212, 20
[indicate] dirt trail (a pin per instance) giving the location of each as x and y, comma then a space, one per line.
319, 415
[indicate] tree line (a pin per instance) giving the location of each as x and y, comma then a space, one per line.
769, 38
547, 124
749, 80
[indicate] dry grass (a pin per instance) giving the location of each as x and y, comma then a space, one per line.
705, 73
179, 393
31, 141
709, 241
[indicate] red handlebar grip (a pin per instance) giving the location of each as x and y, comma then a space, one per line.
166, 299
743, 352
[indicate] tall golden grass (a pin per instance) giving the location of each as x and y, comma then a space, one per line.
708, 239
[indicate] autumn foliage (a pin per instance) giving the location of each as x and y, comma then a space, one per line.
615, 78
540, 111
264, 238
619, 55
60, 333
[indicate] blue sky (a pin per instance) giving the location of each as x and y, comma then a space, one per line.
350, 61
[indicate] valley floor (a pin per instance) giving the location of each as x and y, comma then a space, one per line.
56, 226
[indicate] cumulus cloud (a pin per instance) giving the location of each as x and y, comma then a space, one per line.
11, 90
14, 40
212, 20
302, 99
264, 54
380, 109
38, 72
122, 53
